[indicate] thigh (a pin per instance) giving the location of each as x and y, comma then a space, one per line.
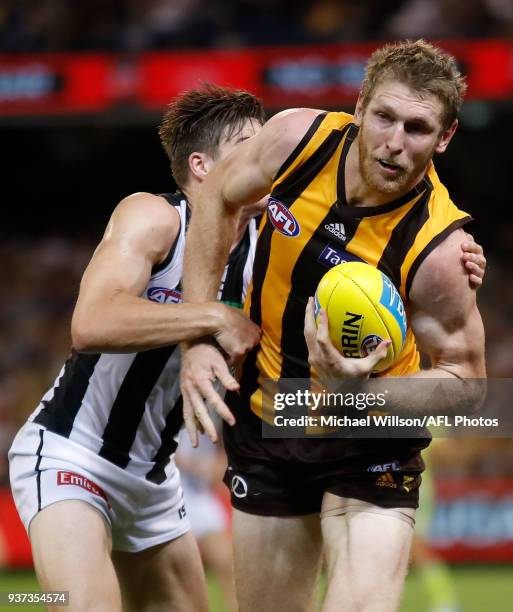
71, 546
276, 561
367, 550
167, 577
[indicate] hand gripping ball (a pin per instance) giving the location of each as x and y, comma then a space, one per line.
363, 308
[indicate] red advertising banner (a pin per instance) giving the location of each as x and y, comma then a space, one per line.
14, 543
473, 520
164, 75
57, 83
320, 76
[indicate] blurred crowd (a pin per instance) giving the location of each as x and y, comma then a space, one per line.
132, 25
40, 281
39, 286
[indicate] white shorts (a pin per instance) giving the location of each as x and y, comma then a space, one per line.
46, 468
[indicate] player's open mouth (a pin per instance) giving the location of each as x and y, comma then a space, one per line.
389, 166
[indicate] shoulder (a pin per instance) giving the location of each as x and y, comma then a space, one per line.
281, 135
147, 208
297, 118
439, 263
144, 221
289, 126
441, 283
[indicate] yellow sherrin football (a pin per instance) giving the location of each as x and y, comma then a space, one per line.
363, 308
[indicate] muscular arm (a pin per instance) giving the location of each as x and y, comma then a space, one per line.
448, 329
110, 315
444, 315
241, 178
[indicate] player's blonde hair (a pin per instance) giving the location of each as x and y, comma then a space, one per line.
423, 67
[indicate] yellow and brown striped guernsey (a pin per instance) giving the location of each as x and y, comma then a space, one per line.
309, 228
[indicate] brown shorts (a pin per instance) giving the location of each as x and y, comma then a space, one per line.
288, 477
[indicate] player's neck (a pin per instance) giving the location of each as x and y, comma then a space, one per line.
189, 192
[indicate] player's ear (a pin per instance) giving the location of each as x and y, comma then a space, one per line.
200, 165
358, 113
446, 137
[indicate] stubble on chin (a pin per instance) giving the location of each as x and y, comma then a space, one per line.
377, 183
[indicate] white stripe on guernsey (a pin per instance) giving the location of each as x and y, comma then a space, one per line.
248, 267
162, 399
103, 388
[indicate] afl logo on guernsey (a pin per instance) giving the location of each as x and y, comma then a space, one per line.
162, 295
282, 219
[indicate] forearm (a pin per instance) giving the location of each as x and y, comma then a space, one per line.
211, 233
436, 391
431, 392
127, 324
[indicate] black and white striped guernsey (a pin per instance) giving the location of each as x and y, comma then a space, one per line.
127, 408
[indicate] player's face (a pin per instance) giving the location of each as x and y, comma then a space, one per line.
234, 135
400, 130
229, 141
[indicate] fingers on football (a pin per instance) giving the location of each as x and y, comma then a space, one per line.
310, 325
327, 352
378, 354
310, 329
323, 332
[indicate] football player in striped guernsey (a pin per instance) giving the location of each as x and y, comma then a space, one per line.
92, 471
342, 187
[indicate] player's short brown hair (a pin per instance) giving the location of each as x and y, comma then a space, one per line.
197, 120
423, 67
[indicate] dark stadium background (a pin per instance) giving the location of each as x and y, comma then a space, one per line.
65, 168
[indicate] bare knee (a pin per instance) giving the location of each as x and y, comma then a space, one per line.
71, 546
280, 572
167, 577
359, 544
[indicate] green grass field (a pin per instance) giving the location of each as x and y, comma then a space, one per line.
481, 589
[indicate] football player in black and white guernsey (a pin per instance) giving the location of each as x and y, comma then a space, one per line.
92, 471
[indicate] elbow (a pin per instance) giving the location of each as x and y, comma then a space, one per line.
473, 379
477, 383
83, 339
465, 388
475, 394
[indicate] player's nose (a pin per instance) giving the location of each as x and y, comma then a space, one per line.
395, 139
